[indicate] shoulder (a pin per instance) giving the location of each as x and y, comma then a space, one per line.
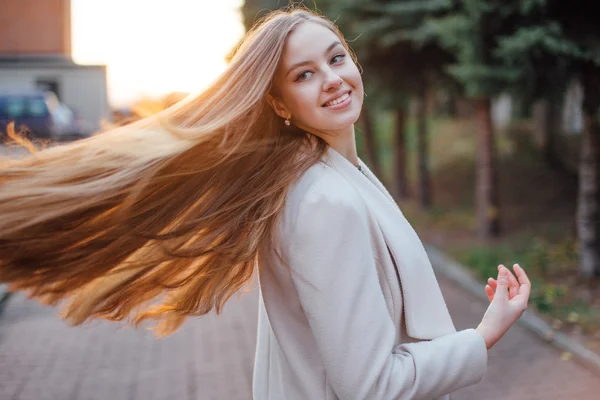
323, 184
321, 194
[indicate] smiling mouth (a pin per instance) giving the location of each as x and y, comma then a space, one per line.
340, 99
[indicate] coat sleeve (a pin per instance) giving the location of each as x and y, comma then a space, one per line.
338, 287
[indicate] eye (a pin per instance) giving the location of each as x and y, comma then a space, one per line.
303, 76
340, 58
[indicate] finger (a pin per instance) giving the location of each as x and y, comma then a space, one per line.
502, 286
493, 284
525, 284
489, 292
513, 284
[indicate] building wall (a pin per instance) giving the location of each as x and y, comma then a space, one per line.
35, 27
82, 88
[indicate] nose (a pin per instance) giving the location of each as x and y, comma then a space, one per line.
332, 81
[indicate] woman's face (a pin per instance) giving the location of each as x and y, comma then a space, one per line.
317, 85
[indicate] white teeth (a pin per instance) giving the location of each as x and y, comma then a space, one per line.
338, 100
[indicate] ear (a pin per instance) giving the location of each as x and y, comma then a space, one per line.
278, 106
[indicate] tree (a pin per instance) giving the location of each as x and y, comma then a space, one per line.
370, 139
253, 10
565, 37
581, 45
541, 74
469, 31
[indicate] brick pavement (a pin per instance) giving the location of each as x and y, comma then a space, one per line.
41, 358
211, 358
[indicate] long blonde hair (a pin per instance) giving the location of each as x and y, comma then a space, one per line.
163, 218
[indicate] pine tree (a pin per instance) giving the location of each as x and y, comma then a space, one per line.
562, 40
253, 10
542, 75
469, 31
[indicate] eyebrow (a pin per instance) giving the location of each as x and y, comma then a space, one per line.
331, 46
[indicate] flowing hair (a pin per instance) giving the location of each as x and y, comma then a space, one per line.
163, 218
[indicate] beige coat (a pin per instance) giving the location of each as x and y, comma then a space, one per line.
341, 326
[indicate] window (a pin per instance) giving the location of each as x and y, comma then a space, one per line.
48, 85
22, 107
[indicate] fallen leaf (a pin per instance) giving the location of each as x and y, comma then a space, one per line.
573, 317
566, 356
557, 324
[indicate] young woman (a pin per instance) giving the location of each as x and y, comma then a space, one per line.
168, 217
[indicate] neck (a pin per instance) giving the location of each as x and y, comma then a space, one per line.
344, 142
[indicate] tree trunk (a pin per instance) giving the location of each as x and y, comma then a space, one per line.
551, 132
400, 154
587, 201
452, 104
486, 191
548, 121
370, 142
551, 127
423, 151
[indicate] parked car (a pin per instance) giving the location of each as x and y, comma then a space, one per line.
42, 114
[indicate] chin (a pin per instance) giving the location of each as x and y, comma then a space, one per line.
342, 122
327, 123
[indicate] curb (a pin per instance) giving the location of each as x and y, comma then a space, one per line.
459, 274
4, 295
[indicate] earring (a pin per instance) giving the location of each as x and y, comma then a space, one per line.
287, 122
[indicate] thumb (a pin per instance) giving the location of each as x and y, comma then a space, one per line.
502, 285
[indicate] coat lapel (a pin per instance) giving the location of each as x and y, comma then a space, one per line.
425, 312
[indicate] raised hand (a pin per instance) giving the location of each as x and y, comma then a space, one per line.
508, 300
513, 285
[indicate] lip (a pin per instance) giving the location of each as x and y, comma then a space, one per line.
343, 104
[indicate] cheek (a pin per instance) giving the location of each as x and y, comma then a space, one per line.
303, 99
354, 78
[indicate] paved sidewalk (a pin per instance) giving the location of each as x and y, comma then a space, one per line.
211, 358
520, 366
41, 358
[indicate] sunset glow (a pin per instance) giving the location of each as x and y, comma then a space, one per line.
152, 47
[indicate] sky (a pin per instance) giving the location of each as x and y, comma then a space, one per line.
152, 47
